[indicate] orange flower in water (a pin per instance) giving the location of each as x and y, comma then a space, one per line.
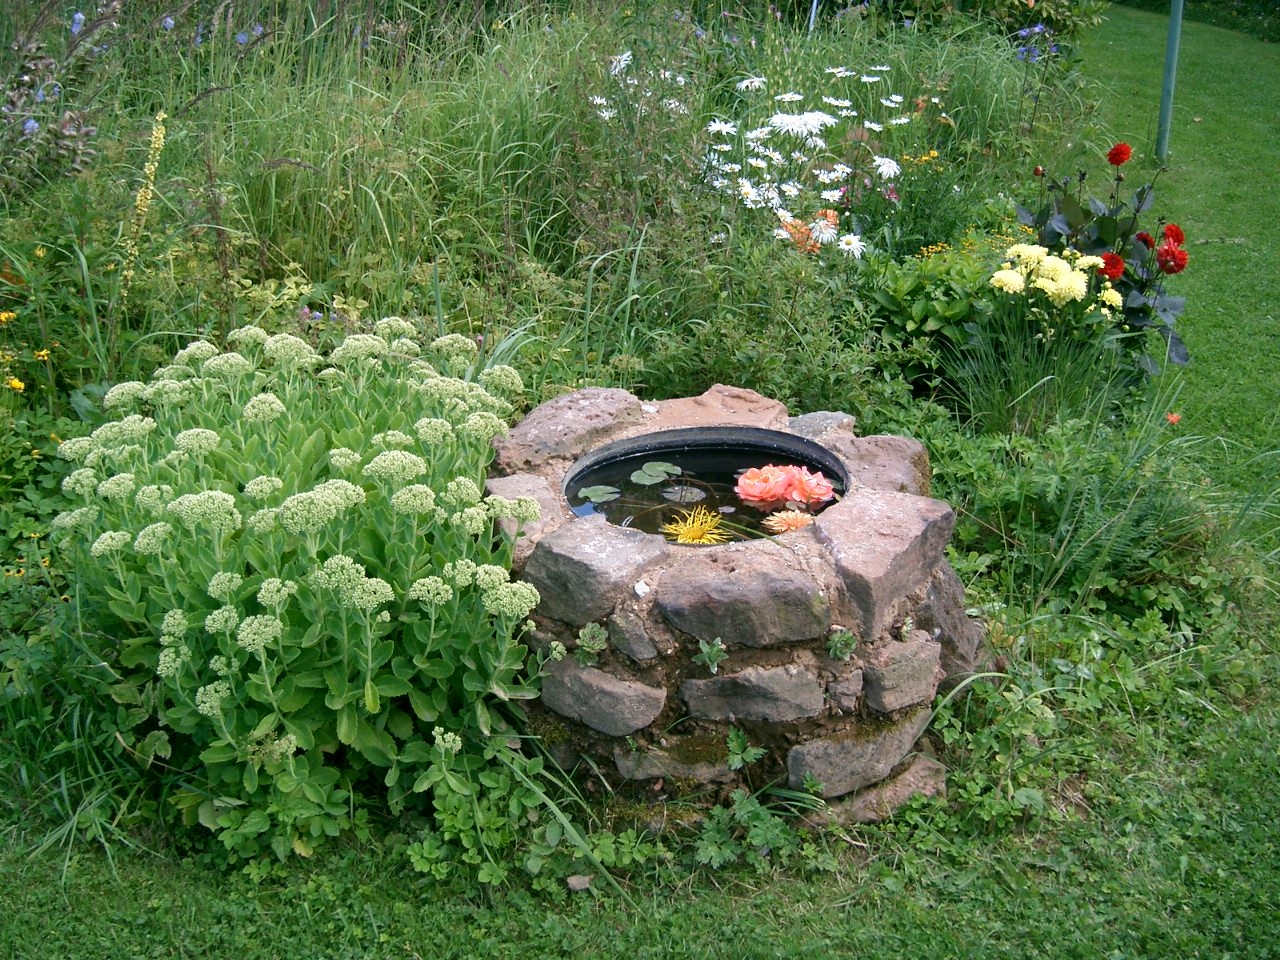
764, 487
784, 521
809, 488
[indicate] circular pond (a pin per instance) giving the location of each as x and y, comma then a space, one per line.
707, 484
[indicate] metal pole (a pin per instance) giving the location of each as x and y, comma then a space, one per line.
813, 15
1166, 88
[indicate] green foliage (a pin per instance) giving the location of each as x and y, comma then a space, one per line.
593, 640
285, 595
841, 644
711, 654
741, 753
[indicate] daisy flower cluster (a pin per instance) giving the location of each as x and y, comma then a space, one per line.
814, 161
635, 93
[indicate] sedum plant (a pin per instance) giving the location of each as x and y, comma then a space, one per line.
286, 566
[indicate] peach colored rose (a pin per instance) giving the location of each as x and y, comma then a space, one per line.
809, 488
764, 487
785, 521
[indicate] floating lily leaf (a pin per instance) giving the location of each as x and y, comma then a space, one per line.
684, 493
656, 471
600, 493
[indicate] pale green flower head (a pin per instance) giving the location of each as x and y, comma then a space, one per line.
223, 620
433, 431
449, 743
389, 328
223, 584
80, 483
367, 593
171, 660
503, 380
169, 393
275, 592
227, 366
489, 575
472, 520
510, 601
527, 510
308, 512
483, 426
197, 441
132, 429
110, 542
196, 353
220, 666
417, 498
392, 438
264, 408
153, 496
80, 519
455, 347
358, 347
174, 623
264, 521
247, 336
173, 373
344, 458
406, 347
430, 591
461, 573
395, 466
123, 395
289, 352
461, 492
174, 459
337, 573
152, 538
209, 698
76, 448
211, 509
263, 488
254, 633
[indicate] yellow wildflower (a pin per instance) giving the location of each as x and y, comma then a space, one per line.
698, 525
13, 383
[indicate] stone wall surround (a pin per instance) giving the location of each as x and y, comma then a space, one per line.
873, 564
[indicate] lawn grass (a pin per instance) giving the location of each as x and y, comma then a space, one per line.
1221, 157
1175, 854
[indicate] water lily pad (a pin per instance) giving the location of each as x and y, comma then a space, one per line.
684, 493
656, 471
599, 494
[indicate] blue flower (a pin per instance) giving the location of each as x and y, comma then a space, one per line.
167, 23
242, 38
258, 29
77, 23
29, 128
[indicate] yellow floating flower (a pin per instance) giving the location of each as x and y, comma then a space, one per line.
698, 525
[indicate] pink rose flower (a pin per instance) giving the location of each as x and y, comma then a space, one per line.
809, 488
764, 487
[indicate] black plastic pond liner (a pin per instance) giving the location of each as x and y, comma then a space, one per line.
706, 449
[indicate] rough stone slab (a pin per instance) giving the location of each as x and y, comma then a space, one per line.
566, 428
855, 759
900, 674
942, 615
720, 406
820, 424
677, 762
896, 464
627, 635
923, 777
583, 567
602, 701
550, 503
845, 692
884, 546
747, 597
772, 694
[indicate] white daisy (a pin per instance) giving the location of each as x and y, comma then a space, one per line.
899, 121
886, 167
870, 78
788, 97
851, 245
752, 83
722, 128
619, 63
823, 230
837, 102
832, 196
872, 125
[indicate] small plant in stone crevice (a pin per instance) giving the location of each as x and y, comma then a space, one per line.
593, 640
841, 644
711, 654
741, 753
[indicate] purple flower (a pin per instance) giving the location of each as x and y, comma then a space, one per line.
167, 23
77, 23
242, 38
258, 29
29, 128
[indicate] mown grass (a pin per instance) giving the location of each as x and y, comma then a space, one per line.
1171, 851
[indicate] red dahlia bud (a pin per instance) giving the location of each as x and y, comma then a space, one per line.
1038, 171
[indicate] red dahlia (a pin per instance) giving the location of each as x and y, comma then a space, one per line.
1112, 266
1171, 258
1146, 239
1173, 233
1119, 155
